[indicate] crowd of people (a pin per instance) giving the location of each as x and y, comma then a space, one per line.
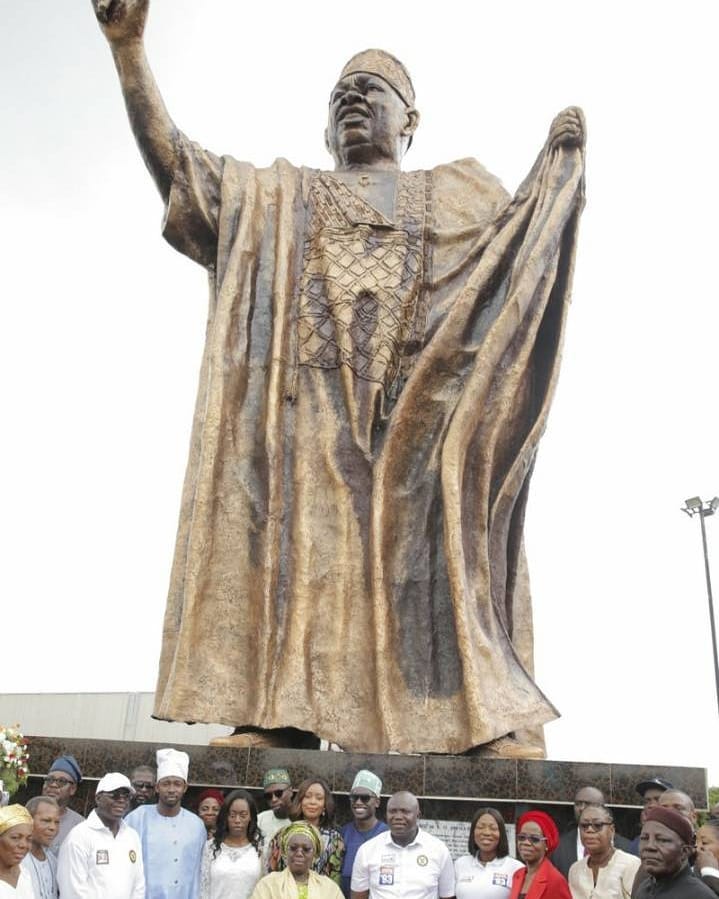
140, 842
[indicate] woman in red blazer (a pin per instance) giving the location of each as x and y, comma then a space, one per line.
537, 837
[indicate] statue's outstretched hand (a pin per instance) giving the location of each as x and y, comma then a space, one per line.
121, 20
567, 129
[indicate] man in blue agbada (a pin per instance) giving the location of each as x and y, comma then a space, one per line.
382, 349
172, 837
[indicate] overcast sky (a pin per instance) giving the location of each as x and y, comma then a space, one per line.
103, 326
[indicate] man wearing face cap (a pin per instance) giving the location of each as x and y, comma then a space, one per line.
665, 846
61, 784
102, 857
382, 349
364, 801
172, 837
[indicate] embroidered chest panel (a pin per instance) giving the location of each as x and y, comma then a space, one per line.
361, 298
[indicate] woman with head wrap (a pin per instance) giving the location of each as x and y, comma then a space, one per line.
231, 860
315, 805
486, 873
15, 837
604, 872
537, 837
300, 845
209, 803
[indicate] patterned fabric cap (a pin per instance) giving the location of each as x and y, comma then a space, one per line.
369, 781
305, 830
12, 815
379, 62
67, 764
276, 776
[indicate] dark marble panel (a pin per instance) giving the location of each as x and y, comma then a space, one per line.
548, 781
625, 778
470, 776
496, 780
301, 763
397, 772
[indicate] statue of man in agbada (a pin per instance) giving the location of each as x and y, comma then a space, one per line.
382, 348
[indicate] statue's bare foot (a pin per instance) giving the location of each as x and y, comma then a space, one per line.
507, 748
268, 738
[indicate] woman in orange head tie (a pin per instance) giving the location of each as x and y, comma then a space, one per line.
537, 837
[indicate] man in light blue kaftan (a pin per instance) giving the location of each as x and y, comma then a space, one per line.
172, 837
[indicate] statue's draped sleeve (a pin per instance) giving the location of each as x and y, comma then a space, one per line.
349, 560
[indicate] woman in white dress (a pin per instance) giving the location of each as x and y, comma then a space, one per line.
605, 872
15, 837
486, 873
231, 860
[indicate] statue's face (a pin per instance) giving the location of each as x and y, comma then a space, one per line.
368, 121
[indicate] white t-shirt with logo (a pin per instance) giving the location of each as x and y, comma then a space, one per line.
476, 880
421, 870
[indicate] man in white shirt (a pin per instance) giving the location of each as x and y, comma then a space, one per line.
404, 862
101, 858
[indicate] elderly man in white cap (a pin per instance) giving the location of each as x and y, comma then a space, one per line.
101, 858
172, 838
364, 802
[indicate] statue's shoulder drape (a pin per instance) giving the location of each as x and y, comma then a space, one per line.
349, 556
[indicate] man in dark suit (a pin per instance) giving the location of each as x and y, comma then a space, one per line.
570, 847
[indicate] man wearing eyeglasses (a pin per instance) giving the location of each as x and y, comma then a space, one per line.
102, 857
277, 788
61, 784
364, 802
143, 783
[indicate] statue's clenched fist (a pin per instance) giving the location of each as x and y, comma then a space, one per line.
121, 20
567, 129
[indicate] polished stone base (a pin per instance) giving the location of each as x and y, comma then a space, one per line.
451, 787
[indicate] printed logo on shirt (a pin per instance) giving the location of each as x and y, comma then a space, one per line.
133, 856
500, 880
386, 875
422, 861
102, 857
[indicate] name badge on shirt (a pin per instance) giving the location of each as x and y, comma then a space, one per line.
133, 856
422, 861
500, 880
102, 857
386, 875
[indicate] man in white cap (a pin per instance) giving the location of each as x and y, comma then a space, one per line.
172, 837
364, 802
101, 858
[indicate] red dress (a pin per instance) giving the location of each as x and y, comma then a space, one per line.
548, 883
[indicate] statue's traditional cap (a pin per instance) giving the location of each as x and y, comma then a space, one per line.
12, 815
369, 781
172, 763
383, 64
276, 776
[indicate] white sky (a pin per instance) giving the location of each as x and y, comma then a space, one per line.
103, 326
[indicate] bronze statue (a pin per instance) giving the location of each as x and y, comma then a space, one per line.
381, 353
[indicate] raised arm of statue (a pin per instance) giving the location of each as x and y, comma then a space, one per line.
123, 24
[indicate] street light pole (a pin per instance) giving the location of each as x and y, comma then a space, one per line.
696, 506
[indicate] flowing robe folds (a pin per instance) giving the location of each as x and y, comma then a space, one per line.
372, 392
